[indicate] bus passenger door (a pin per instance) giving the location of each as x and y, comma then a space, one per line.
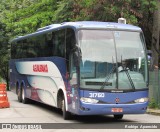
73, 86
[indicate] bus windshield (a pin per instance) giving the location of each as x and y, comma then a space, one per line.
112, 60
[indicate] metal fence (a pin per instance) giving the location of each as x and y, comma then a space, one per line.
154, 88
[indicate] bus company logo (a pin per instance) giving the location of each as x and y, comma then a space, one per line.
40, 68
117, 100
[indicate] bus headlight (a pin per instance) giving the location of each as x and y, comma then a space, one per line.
141, 100
89, 100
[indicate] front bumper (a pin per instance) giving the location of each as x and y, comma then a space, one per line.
107, 109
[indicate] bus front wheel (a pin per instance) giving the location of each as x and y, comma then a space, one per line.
66, 114
118, 117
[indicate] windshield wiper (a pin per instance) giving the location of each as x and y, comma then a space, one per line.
107, 78
125, 69
129, 78
109, 75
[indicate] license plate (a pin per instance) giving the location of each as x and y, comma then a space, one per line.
117, 110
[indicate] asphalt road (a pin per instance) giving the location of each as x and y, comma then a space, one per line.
48, 116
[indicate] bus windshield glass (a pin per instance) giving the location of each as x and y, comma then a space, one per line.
112, 60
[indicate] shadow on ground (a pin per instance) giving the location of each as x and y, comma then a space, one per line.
93, 119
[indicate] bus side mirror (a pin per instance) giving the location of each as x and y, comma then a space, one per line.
77, 56
150, 60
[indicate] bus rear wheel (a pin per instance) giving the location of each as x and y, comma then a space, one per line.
19, 94
118, 117
66, 115
24, 99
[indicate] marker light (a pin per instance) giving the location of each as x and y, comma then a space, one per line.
89, 100
122, 20
141, 100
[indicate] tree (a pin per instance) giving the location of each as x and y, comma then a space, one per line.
156, 37
6, 7
137, 12
27, 20
4, 55
20, 17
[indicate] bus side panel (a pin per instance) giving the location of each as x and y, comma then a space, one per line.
42, 77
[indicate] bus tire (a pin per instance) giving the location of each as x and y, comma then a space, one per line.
24, 99
66, 115
19, 94
118, 117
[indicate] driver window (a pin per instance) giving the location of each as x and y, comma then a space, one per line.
73, 73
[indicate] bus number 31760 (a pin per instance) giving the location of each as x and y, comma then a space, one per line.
94, 95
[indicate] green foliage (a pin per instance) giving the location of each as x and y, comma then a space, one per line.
4, 53
25, 16
27, 20
64, 11
153, 104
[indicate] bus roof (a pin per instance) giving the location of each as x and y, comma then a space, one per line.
81, 25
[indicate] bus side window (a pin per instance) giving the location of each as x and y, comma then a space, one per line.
56, 45
13, 50
59, 43
19, 49
48, 48
24, 48
70, 42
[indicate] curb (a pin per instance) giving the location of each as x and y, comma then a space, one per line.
153, 111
